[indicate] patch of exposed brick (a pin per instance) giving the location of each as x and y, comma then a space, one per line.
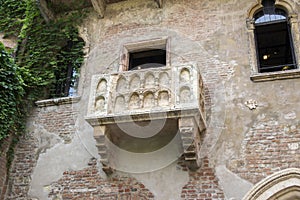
62, 116
26, 152
203, 184
88, 184
3, 161
268, 147
22, 168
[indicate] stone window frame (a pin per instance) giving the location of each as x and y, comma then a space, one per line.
143, 46
293, 21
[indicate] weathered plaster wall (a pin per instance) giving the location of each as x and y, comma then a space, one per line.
240, 144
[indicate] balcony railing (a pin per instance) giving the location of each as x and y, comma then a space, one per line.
133, 95
174, 94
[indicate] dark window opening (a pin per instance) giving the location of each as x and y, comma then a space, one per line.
273, 40
147, 59
66, 73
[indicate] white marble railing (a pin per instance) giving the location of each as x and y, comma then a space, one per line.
162, 92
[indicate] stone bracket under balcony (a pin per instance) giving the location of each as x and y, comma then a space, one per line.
137, 98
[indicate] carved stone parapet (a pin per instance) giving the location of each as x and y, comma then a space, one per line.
174, 94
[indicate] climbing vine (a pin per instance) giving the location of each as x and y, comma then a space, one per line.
48, 51
11, 93
12, 14
45, 64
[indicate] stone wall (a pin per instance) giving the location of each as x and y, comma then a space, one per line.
57, 158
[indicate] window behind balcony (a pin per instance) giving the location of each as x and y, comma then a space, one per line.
274, 44
147, 59
145, 54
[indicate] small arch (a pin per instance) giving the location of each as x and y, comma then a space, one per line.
185, 95
102, 86
164, 79
149, 100
120, 103
135, 82
100, 104
121, 84
163, 98
134, 101
185, 75
149, 80
281, 185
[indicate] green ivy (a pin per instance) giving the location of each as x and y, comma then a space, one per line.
12, 14
45, 53
11, 93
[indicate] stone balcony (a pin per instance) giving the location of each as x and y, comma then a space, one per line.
174, 94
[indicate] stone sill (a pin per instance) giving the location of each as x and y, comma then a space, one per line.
57, 101
271, 76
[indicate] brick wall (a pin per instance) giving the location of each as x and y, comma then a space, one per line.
88, 184
203, 184
28, 147
22, 168
268, 147
3, 161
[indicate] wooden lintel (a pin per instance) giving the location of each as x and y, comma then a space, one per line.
99, 6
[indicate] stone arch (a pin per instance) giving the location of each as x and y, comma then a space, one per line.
134, 101
121, 84
135, 82
185, 75
164, 79
100, 103
163, 98
120, 103
149, 80
149, 100
282, 185
185, 94
102, 86
283, 4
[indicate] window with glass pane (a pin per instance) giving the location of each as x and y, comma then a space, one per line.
273, 39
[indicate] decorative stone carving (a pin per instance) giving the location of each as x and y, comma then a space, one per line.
134, 102
100, 104
173, 93
251, 104
102, 86
135, 83
149, 100
120, 104
122, 84
185, 95
163, 98
185, 75
149, 80
164, 79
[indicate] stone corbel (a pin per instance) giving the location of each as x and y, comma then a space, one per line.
190, 137
99, 6
99, 135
